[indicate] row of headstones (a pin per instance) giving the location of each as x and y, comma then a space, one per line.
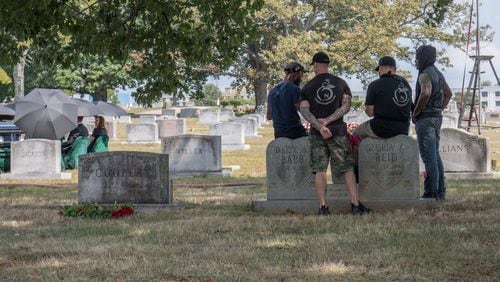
189, 155
388, 168
201, 154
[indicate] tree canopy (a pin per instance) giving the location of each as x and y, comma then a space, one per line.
169, 42
355, 33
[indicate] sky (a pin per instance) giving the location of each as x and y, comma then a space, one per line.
488, 13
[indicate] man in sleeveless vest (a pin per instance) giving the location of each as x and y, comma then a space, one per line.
432, 96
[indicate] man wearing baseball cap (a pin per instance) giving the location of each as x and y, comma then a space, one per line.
388, 101
324, 101
283, 104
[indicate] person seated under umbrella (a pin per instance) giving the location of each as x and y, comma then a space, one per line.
99, 138
80, 130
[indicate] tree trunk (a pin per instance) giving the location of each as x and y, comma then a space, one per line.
101, 94
260, 88
18, 76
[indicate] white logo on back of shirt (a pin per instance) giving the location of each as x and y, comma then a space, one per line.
324, 94
401, 96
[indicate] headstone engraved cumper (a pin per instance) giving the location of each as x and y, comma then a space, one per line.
138, 178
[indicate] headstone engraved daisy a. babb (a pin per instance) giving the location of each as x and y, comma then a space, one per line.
124, 177
288, 169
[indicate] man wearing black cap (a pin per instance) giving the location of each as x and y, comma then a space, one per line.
388, 101
283, 103
324, 101
432, 96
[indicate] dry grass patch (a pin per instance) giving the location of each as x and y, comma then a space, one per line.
218, 237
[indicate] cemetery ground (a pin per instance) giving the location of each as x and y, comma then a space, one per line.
218, 236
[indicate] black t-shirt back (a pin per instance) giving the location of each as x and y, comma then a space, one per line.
324, 93
391, 97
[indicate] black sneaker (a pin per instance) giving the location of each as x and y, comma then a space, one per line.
356, 209
364, 209
324, 211
428, 195
359, 209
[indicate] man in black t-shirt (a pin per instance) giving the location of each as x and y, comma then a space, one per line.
324, 101
388, 101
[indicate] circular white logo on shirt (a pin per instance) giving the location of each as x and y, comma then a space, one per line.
324, 94
401, 96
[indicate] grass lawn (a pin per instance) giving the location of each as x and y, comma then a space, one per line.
218, 236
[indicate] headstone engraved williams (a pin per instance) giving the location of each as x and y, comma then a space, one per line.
192, 155
232, 135
138, 178
388, 169
36, 158
462, 151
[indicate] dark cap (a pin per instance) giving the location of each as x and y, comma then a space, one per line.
294, 67
386, 61
320, 57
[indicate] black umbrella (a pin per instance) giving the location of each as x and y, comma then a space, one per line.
87, 109
46, 113
111, 109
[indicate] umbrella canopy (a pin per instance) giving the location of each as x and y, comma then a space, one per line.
6, 111
87, 109
46, 113
111, 109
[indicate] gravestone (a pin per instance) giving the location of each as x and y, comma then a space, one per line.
112, 128
142, 133
209, 116
226, 114
171, 127
232, 135
137, 178
124, 119
450, 120
462, 151
291, 183
188, 113
90, 127
388, 169
192, 155
288, 170
493, 117
147, 118
36, 158
250, 124
260, 118
169, 112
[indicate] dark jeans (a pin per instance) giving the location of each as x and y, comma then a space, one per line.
428, 135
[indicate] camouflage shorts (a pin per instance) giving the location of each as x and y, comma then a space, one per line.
336, 150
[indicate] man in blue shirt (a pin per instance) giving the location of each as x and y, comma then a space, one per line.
283, 104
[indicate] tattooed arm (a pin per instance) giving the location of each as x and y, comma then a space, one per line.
340, 112
306, 113
425, 93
